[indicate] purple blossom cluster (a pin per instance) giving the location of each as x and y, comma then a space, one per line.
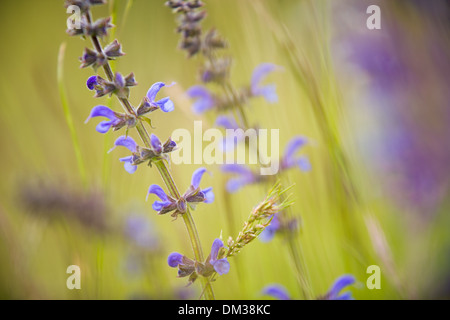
154, 151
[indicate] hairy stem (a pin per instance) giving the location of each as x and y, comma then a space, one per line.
163, 170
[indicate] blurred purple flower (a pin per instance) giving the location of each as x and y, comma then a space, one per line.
335, 291
289, 159
245, 176
269, 232
279, 292
276, 291
205, 100
229, 142
267, 91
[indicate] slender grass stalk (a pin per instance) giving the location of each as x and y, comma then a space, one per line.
162, 168
68, 114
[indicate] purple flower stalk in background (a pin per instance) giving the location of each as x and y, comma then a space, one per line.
290, 160
192, 196
229, 142
244, 177
277, 291
280, 223
270, 231
335, 291
267, 91
204, 99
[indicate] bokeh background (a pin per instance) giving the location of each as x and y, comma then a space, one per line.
374, 105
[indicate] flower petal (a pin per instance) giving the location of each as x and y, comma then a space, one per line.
226, 122
91, 82
209, 195
291, 148
345, 296
303, 163
103, 126
119, 80
236, 168
234, 184
160, 205
156, 143
269, 93
339, 284
126, 142
174, 259
157, 190
128, 164
222, 266
165, 104
205, 100
277, 291
197, 177
217, 244
259, 73
154, 89
269, 232
102, 111
293, 145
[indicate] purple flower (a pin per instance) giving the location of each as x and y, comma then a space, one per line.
194, 193
221, 266
140, 154
192, 196
277, 291
340, 283
115, 119
205, 100
189, 267
156, 143
166, 204
119, 86
91, 82
290, 160
267, 91
229, 142
174, 259
245, 176
279, 224
130, 144
269, 232
165, 104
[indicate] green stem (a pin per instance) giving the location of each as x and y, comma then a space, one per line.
164, 172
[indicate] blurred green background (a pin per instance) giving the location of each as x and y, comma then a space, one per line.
373, 103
